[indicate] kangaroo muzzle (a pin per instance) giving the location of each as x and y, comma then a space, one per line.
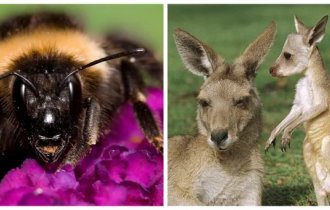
219, 137
273, 71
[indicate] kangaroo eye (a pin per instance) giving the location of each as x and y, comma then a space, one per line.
287, 55
204, 103
241, 102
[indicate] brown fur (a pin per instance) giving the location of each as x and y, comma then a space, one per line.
202, 169
300, 55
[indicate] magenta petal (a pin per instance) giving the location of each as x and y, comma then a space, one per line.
14, 179
101, 173
86, 165
143, 169
33, 199
111, 194
72, 197
156, 102
115, 169
136, 195
36, 173
157, 194
12, 197
125, 129
63, 180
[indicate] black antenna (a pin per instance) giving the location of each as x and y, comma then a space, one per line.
137, 51
24, 80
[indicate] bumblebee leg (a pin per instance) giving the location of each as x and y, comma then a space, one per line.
134, 91
91, 126
89, 134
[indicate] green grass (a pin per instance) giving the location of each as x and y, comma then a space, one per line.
229, 29
143, 22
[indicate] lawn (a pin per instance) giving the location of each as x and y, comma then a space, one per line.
229, 29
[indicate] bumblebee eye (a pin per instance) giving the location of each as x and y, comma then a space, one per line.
204, 103
74, 87
287, 55
19, 99
24, 94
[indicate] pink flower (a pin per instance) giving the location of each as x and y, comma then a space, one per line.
122, 169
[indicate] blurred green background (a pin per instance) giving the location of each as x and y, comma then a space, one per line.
228, 29
143, 21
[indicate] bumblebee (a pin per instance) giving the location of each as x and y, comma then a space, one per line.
59, 88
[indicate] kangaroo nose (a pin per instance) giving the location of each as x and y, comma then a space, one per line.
272, 71
219, 136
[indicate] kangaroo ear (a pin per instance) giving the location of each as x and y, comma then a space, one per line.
300, 27
317, 33
196, 56
256, 51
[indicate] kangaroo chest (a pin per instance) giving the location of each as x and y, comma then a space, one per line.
309, 96
217, 186
306, 96
317, 140
214, 187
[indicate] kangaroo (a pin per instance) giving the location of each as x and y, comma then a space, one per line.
300, 55
222, 164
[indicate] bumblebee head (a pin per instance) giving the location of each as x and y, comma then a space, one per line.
47, 113
48, 104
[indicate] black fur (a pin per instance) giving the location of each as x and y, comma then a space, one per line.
45, 69
251, 69
35, 62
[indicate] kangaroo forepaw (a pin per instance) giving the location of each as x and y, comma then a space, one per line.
285, 142
271, 141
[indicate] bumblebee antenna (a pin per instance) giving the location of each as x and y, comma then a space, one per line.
137, 51
24, 80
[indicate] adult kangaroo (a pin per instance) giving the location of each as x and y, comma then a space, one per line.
222, 164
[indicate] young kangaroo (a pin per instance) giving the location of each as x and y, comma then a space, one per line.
311, 103
222, 165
